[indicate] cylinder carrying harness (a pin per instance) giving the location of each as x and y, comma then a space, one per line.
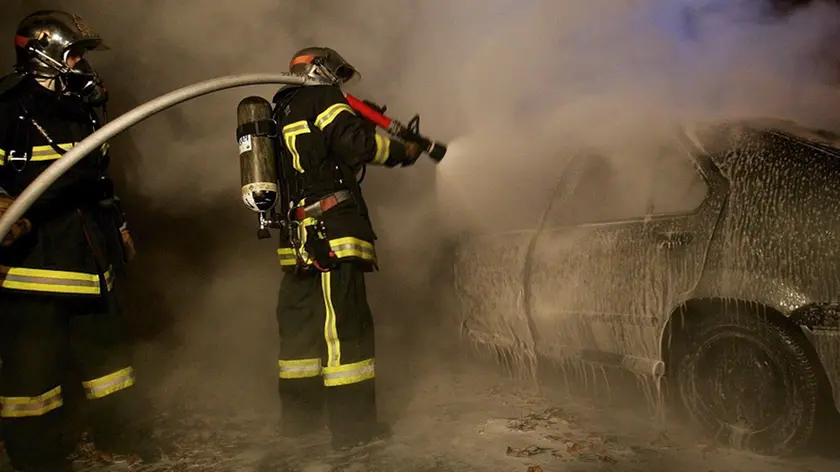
305, 227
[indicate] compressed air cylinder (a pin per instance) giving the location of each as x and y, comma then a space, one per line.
256, 134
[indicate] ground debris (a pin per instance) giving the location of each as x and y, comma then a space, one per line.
88, 455
544, 418
607, 458
527, 451
662, 440
535, 468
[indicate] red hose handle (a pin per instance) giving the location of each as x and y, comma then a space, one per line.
435, 150
366, 111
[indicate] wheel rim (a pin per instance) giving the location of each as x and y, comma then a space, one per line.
741, 384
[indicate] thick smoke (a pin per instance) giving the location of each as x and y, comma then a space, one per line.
516, 86
615, 75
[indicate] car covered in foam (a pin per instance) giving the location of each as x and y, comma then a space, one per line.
711, 263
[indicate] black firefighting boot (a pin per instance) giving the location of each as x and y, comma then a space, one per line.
38, 443
120, 426
352, 416
302, 403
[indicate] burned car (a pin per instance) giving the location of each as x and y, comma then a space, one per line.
712, 265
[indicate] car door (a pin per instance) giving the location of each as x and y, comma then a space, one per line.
617, 252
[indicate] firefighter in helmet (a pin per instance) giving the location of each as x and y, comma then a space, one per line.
58, 264
326, 357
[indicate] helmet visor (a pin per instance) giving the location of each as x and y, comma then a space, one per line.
91, 43
348, 76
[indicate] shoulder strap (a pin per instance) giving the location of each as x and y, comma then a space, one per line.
291, 183
26, 115
20, 142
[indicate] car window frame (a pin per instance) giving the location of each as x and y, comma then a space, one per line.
688, 141
700, 171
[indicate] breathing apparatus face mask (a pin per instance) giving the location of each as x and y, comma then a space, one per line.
83, 81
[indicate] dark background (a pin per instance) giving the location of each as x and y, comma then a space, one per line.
199, 299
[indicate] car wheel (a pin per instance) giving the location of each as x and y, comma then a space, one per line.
749, 382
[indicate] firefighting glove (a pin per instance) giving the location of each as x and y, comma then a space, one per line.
127, 243
412, 153
18, 229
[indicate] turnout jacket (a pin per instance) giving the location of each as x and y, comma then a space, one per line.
324, 146
74, 246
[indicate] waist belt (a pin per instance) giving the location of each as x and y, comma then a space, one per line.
316, 209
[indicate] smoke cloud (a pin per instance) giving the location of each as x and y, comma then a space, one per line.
515, 86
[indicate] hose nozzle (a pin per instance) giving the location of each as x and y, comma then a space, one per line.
410, 132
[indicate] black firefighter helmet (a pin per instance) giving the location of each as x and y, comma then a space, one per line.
46, 38
324, 64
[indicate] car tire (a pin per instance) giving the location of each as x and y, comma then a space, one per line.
749, 381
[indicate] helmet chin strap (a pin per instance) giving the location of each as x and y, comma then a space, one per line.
323, 74
46, 82
59, 67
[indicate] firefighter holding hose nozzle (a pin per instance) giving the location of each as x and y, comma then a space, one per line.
326, 357
58, 264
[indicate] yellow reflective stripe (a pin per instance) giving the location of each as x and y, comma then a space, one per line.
290, 134
299, 368
349, 373
53, 281
383, 149
2, 157
36, 150
330, 325
303, 236
328, 116
353, 247
342, 247
287, 256
108, 384
19, 407
47, 152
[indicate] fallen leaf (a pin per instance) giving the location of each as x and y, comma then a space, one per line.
607, 458
522, 425
535, 468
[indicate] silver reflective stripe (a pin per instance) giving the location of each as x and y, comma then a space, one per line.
111, 383
47, 153
349, 374
327, 116
28, 279
19, 407
299, 368
54, 281
350, 249
286, 256
383, 150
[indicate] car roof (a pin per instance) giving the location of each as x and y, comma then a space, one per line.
706, 134
822, 137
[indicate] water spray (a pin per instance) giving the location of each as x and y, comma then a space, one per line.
31, 193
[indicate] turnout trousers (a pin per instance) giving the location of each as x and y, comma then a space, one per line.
41, 335
327, 354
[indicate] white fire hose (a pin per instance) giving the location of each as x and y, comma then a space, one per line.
31, 193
